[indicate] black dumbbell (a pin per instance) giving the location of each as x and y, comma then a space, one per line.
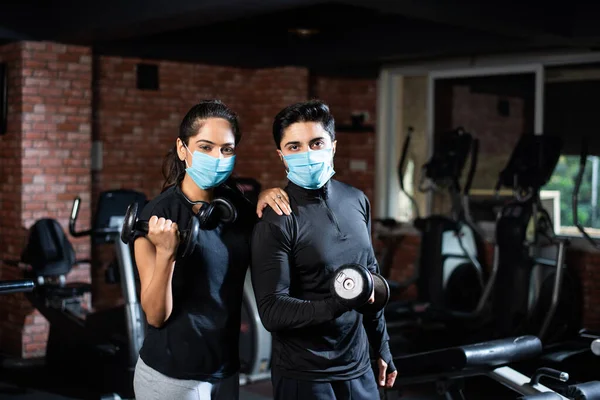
131, 224
353, 284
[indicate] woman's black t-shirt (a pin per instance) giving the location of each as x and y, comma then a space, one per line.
200, 339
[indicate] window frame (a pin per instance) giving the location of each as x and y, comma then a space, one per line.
389, 87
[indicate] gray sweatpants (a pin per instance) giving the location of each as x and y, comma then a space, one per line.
150, 384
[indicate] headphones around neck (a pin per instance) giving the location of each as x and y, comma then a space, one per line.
219, 210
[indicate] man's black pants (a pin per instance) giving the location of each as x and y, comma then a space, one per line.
362, 388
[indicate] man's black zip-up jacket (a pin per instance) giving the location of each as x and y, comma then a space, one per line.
293, 260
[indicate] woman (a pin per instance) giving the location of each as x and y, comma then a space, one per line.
193, 304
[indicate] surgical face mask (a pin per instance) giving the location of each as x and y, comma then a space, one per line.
311, 169
208, 172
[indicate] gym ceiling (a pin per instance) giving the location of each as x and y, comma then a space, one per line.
341, 37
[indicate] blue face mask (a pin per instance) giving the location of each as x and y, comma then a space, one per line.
311, 169
208, 172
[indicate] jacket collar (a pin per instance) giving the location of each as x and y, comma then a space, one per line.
322, 193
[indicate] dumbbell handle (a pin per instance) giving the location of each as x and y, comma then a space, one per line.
187, 236
143, 226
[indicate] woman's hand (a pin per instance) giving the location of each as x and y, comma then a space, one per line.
276, 198
164, 235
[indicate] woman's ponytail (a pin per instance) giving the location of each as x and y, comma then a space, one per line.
173, 169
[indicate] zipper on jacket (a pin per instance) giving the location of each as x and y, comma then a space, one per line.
332, 217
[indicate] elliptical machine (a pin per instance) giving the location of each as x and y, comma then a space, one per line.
530, 167
575, 203
534, 292
579, 353
450, 279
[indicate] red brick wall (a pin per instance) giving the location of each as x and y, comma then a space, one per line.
587, 268
497, 134
56, 135
138, 127
346, 96
49, 155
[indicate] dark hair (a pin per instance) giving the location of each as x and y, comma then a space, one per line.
307, 111
173, 168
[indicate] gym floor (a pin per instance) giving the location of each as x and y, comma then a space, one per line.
32, 382
255, 391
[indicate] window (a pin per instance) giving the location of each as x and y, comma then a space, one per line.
563, 182
571, 99
406, 211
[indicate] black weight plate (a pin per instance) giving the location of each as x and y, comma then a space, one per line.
129, 223
191, 236
382, 296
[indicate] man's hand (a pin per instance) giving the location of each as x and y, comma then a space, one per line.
276, 198
385, 380
372, 298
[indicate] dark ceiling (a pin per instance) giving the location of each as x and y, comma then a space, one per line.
345, 36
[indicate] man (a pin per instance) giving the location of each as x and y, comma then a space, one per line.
320, 347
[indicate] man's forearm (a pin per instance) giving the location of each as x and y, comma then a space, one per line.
378, 337
281, 312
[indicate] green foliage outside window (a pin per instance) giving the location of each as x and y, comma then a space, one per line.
563, 180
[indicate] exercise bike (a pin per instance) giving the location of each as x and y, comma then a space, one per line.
101, 344
16, 286
452, 283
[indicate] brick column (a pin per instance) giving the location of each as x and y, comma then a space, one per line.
11, 235
50, 137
